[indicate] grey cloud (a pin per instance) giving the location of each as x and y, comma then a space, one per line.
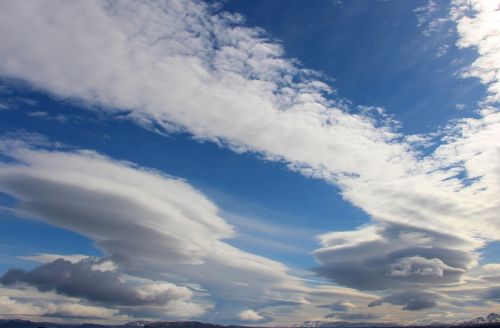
412, 300
491, 273
68, 206
338, 306
492, 293
351, 316
86, 280
494, 279
469, 302
394, 256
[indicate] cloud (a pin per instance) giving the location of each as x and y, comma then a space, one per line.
492, 293
83, 280
477, 26
426, 17
490, 273
387, 256
119, 207
12, 308
412, 300
45, 115
492, 268
420, 266
250, 315
47, 258
352, 316
339, 306
151, 226
221, 82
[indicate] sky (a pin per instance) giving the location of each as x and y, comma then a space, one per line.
261, 162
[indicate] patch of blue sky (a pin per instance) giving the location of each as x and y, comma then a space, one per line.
374, 54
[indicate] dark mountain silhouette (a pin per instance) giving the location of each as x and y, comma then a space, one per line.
492, 320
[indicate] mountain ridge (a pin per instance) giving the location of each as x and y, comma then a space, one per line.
492, 320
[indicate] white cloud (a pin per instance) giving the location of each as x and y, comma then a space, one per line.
12, 308
420, 266
250, 315
442, 50
105, 266
47, 257
426, 18
492, 268
240, 94
79, 311
477, 25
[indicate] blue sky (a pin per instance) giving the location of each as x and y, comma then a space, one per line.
259, 163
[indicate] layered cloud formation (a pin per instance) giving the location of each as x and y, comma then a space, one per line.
393, 256
178, 66
152, 226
